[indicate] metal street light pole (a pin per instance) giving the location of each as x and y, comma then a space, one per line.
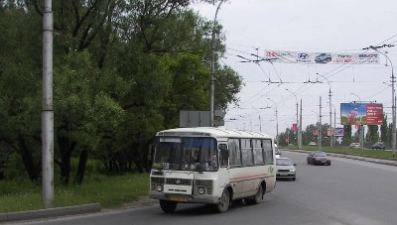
47, 113
297, 114
212, 100
276, 121
393, 93
330, 110
318, 129
260, 121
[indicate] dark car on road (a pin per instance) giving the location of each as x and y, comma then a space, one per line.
378, 146
318, 158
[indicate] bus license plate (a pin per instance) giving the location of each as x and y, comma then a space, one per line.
178, 198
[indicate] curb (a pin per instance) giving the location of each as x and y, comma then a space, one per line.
48, 213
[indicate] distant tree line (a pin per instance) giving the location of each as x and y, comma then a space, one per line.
373, 134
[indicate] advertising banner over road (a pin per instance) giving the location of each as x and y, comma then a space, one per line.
361, 113
322, 57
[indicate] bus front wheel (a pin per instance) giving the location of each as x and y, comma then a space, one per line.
168, 206
224, 202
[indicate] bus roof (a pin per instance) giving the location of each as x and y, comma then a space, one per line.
212, 131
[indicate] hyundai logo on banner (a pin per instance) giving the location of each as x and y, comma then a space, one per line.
303, 55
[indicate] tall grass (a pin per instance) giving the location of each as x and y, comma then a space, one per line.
109, 191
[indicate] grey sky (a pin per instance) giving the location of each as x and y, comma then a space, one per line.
312, 26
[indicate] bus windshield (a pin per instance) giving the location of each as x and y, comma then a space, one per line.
186, 153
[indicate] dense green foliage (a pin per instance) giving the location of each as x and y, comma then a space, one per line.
122, 71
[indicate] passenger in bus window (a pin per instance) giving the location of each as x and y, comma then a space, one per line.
213, 160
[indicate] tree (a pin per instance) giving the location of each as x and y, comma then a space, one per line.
20, 75
384, 137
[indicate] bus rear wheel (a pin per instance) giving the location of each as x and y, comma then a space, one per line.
260, 195
258, 198
224, 202
168, 206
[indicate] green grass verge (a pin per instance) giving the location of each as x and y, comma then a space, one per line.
109, 191
351, 151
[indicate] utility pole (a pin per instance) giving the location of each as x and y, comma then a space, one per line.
319, 129
47, 113
330, 109
277, 139
300, 128
393, 91
297, 116
212, 100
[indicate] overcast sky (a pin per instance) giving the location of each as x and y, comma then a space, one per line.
335, 26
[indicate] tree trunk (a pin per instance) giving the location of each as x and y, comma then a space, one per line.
81, 167
66, 148
27, 159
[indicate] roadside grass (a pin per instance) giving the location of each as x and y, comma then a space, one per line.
378, 154
109, 191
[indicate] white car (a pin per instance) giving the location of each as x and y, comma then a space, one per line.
312, 143
355, 145
285, 168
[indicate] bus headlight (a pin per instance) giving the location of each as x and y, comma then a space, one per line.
201, 190
159, 188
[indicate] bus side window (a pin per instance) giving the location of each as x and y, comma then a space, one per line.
224, 155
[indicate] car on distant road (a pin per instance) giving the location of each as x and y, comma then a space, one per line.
318, 158
379, 146
286, 168
355, 145
312, 143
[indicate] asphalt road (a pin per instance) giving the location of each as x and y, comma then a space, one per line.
347, 193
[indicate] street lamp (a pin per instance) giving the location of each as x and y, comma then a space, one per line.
276, 120
318, 130
392, 92
212, 100
297, 114
356, 96
330, 109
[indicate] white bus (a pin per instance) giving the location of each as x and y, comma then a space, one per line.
211, 165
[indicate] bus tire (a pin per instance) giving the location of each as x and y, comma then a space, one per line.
260, 195
168, 206
224, 202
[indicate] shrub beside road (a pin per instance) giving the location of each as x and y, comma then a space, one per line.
109, 191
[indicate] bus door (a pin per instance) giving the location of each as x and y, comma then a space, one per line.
224, 175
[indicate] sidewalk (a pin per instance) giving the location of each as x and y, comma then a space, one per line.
48, 213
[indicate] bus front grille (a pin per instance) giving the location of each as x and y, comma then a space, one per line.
177, 181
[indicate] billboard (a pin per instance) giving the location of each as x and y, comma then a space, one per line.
306, 57
339, 132
361, 113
